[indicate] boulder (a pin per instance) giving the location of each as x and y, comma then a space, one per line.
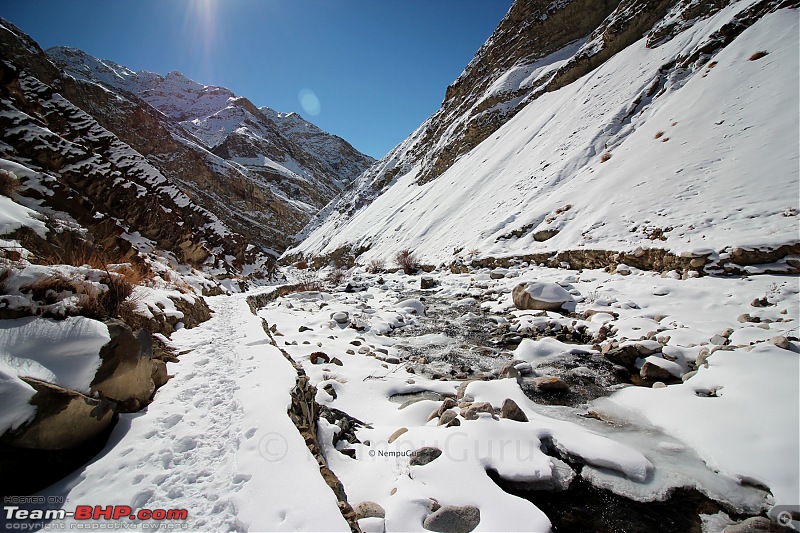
542, 296
64, 419
453, 519
511, 410
424, 456
126, 373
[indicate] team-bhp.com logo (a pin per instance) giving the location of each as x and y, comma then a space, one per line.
89, 512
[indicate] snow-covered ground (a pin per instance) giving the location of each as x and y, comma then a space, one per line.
217, 441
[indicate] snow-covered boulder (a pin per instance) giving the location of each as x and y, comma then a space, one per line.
542, 296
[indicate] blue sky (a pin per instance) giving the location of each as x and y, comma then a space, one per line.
377, 68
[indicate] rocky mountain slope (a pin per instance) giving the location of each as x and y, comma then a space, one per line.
613, 132
263, 172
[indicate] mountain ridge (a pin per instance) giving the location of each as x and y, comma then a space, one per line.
521, 190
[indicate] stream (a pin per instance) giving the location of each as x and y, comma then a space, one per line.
461, 342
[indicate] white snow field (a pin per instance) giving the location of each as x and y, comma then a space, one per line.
714, 157
217, 440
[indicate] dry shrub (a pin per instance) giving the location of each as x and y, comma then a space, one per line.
46, 288
473, 253
8, 183
5, 273
605, 157
301, 265
659, 134
758, 55
376, 266
105, 304
336, 276
407, 261
307, 280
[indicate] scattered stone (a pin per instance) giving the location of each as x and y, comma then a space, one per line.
369, 509
341, 317
659, 385
427, 282
336, 361
424, 456
410, 370
498, 273
471, 412
508, 370
448, 403
363, 350
453, 422
512, 411
318, 358
447, 417
453, 519
653, 372
647, 348
550, 384
392, 360
719, 340
688, 375
329, 388
760, 302
780, 341
394, 436
727, 333
350, 352
751, 525
302, 329
355, 343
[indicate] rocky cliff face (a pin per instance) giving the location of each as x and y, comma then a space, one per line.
594, 126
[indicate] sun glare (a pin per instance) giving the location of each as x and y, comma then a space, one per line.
200, 24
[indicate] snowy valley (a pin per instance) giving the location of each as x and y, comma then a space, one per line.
568, 302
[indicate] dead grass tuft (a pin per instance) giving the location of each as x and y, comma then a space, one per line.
659, 134
758, 55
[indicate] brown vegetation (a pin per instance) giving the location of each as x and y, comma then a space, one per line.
758, 55
376, 266
8, 183
407, 261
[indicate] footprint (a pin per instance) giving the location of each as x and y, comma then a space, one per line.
171, 420
241, 478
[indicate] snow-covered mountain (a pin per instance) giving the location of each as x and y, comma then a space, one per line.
265, 173
601, 132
